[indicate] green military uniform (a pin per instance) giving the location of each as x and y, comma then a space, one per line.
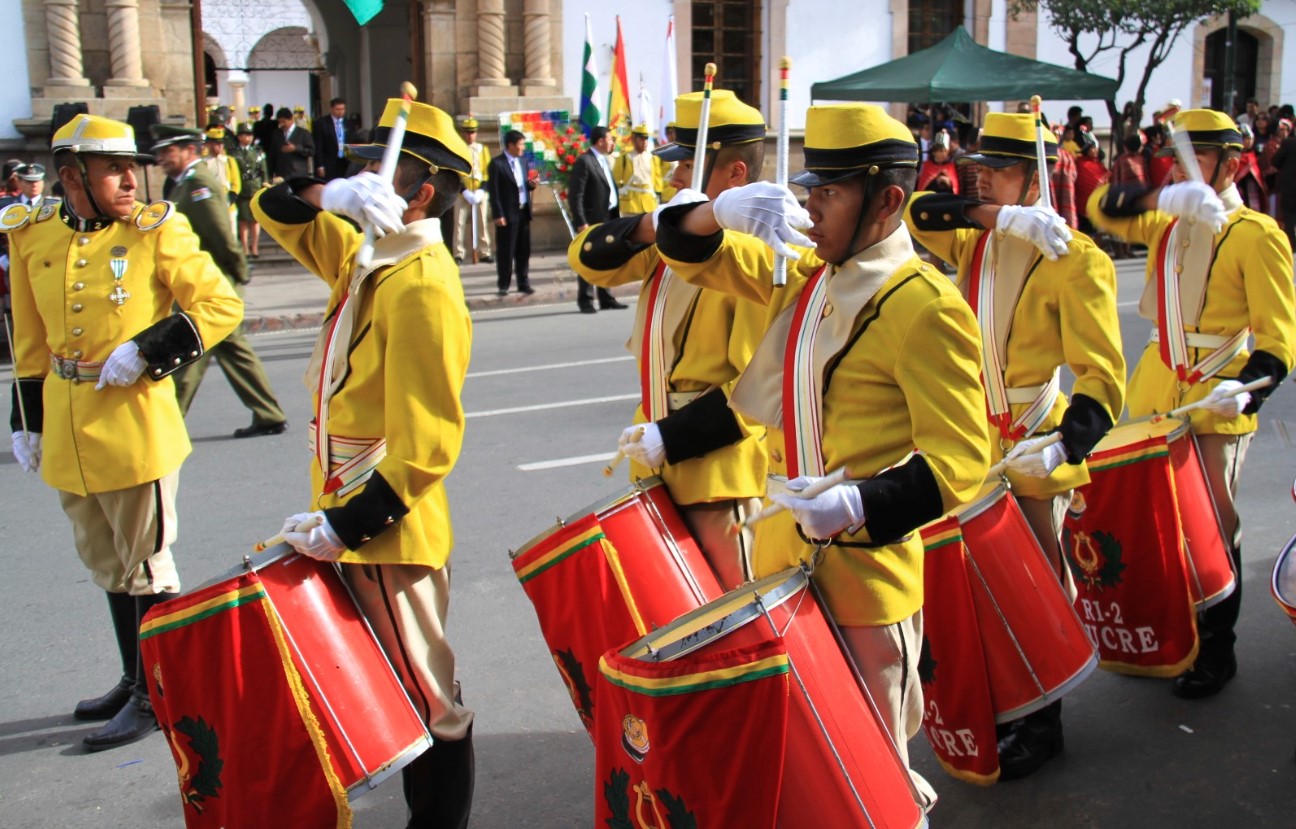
254, 172
202, 199
696, 340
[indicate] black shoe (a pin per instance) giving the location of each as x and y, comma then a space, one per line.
1031, 742
458, 260
258, 429
133, 722
528, 290
588, 309
487, 259
613, 305
1205, 678
501, 293
106, 706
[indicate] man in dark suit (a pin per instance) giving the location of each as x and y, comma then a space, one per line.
592, 195
331, 135
292, 147
510, 200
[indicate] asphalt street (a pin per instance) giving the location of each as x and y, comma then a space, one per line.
548, 393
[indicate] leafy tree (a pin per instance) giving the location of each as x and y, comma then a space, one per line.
1091, 28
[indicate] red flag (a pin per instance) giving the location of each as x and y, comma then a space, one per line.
619, 98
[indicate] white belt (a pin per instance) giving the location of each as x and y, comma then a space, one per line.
351, 460
677, 400
1025, 394
643, 191
1195, 340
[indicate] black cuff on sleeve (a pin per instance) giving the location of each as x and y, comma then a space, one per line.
900, 500
169, 344
676, 244
1084, 423
374, 509
1261, 364
282, 203
942, 211
1122, 201
608, 246
701, 427
33, 404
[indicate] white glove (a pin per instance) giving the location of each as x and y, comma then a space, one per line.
309, 533
367, 199
123, 367
767, 211
685, 196
826, 514
1220, 403
1029, 459
27, 450
647, 450
1040, 226
479, 196
1195, 201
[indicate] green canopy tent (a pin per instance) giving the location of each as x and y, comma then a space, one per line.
959, 70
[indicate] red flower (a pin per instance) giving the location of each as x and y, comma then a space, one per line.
571, 159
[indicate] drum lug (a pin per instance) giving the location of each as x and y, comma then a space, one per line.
247, 562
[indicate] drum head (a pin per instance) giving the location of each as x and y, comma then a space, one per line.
252, 562
599, 507
1170, 428
1284, 579
986, 498
712, 621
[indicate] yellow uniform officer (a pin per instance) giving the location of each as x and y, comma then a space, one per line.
388, 369
668, 168
690, 345
225, 169
109, 298
870, 362
1042, 301
472, 210
1223, 273
637, 173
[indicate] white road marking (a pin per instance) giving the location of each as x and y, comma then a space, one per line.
560, 405
1127, 304
576, 364
576, 461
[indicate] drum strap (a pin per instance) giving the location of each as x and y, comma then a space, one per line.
351, 460
803, 435
654, 383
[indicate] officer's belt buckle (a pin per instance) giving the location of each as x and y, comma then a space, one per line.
63, 368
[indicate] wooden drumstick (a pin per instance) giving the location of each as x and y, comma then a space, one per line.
814, 490
620, 453
1041, 154
781, 158
998, 469
391, 156
704, 119
1245, 387
22, 408
309, 524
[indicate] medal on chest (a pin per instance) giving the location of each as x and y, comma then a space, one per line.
119, 293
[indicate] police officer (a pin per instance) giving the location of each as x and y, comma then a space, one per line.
637, 173
471, 211
110, 297
254, 172
201, 199
1224, 272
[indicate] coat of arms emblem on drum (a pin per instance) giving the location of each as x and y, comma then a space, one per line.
582, 695
203, 782
1094, 558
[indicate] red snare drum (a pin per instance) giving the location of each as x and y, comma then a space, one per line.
611, 572
1283, 585
368, 725
840, 767
1035, 648
1210, 568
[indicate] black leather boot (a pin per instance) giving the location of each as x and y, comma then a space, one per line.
121, 606
439, 785
1215, 664
136, 719
1031, 742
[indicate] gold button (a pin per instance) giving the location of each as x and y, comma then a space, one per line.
947, 217
81, 263
827, 311
1178, 269
588, 246
609, 238
76, 332
923, 215
157, 372
776, 456
78, 286
176, 361
76, 355
84, 240
76, 381
76, 307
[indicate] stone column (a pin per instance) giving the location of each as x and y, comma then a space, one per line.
536, 25
124, 44
63, 27
490, 44
439, 86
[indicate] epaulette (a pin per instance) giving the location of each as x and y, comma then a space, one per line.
154, 215
18, 215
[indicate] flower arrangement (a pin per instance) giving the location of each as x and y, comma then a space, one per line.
569, 145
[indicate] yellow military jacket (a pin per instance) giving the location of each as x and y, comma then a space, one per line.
407, 360
904, 385
1065, 314
62, 277
1250, 283
480, 172
638, 176
712, 347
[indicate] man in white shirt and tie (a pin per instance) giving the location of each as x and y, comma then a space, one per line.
593, 199
510, 186
330, 136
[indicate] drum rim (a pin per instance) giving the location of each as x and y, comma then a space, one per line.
637, 487
1049, 697
369, 782
251, 563
1273, 579
990, 494
1171, 434
773, 590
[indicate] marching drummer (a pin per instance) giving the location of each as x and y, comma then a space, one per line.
869, 363
1217, 273
691, 344
1044, 296
388, 369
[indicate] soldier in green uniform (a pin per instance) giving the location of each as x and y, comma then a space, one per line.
254, 172
202, 200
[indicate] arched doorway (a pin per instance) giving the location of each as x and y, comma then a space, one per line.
1246, 52
1265, 76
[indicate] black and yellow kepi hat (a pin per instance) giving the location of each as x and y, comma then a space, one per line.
843, 140
731, 122
164, 135
96, 135
469, 124
430, 136
641, 130
1207, 129
216, 134
1008, 139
